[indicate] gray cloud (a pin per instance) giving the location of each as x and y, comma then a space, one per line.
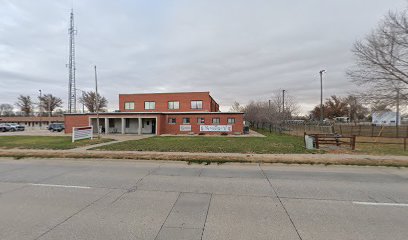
239, 50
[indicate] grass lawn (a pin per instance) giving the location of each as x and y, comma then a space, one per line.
272, 143
381, 149
45, 142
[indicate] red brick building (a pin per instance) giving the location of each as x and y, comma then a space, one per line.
162, 113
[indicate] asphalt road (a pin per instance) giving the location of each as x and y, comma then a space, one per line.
63, 199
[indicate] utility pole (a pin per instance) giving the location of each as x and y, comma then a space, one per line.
398, 112
283, 104
321, 95
40, 108
97, 103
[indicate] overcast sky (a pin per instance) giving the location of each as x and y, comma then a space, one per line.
239, 50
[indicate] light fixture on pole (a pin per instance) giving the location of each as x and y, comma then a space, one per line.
321, 95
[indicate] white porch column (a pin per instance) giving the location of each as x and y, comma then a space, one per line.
106, 125
123, 125
139, 126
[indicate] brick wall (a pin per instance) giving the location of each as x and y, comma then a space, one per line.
75, 121
163, 127
162, 100
195, 127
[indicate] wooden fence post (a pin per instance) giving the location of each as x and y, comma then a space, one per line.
405, 144
353, 142
317, 141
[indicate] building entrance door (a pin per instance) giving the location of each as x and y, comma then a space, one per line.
154, 126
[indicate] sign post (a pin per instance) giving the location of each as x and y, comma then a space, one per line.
79, 133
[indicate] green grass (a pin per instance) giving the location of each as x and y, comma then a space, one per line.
381, 149
45, 142
272, 143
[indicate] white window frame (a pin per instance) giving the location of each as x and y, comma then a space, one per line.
231, 122
173, 105
194, 104
171, 122
129, 105
184, 122
199, 120
151, 105
219, 121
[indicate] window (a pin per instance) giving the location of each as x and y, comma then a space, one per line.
200, 120
174, 105
127, 123
231, 120
186, 120
196, 104
150, 105
129, 106
172, 121
216, 121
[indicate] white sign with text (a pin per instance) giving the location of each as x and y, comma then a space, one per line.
215, 128
185, 128
79, 133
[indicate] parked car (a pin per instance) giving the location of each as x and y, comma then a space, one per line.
15, 127
4, 127
56, 127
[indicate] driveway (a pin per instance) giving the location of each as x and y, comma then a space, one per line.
71, 199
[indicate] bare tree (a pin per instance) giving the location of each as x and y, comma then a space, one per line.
49, 103
381, 64
89, 100
25, 104
270, 112
236, 107
6, 109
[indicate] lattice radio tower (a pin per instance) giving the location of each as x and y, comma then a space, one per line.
71, 66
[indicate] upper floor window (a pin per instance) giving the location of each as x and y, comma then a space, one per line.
196, 104
129, 106
150, 105
216, 121
174, 105
231, 120
186, 120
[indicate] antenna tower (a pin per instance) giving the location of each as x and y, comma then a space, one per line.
71, 66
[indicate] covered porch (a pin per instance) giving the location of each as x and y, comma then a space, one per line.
125, 125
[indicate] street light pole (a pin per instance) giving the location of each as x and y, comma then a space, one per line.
283, 102
40, 108
321, 95
97, 103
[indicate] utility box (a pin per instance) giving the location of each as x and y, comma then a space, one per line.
310, 142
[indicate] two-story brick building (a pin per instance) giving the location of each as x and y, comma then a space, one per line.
162, 113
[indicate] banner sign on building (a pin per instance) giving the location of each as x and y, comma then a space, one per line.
215, 128
185, 128
79, 133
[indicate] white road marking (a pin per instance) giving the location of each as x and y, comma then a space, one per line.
63, 186
382, 204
